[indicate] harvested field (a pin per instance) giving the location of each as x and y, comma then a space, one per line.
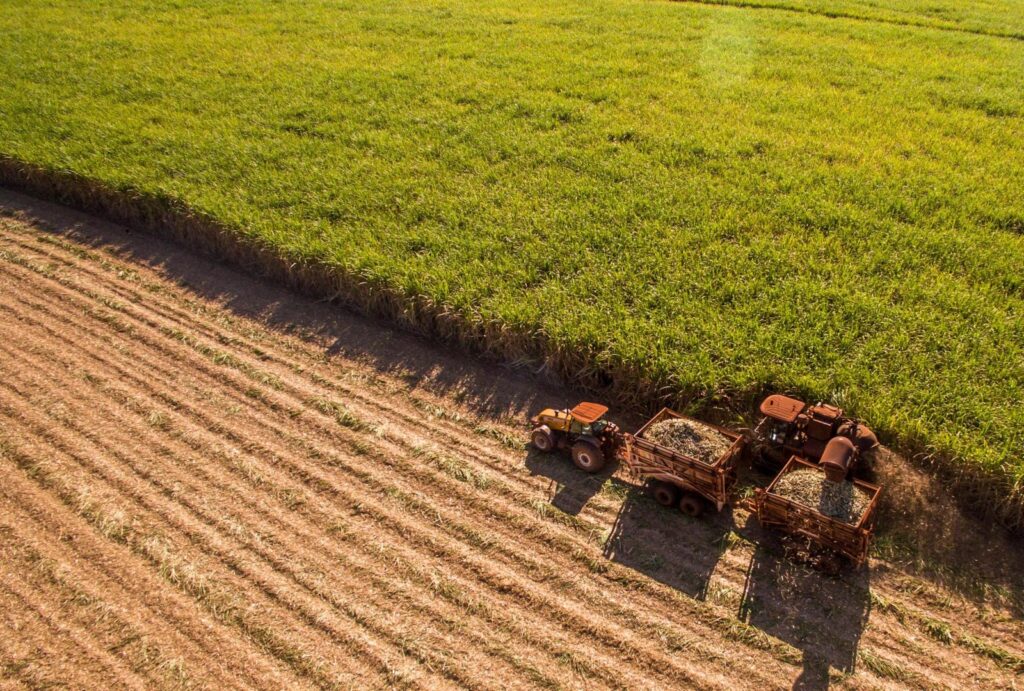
690, 438
194, 496
842, 500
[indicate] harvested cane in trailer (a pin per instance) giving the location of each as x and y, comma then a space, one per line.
690, 438
841, 500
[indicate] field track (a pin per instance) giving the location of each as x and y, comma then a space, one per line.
195, 496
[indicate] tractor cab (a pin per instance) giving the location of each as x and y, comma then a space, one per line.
583, 419
780, 415
588, 419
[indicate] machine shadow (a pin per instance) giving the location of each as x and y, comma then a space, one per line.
665, 545
575, 487
822, 617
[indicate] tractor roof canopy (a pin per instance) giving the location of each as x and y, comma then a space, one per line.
589, 412
782, 408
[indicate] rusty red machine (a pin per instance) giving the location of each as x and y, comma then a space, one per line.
819, 433
836, 540
694, 485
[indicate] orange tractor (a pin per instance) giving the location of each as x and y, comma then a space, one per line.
819, 433
591, 439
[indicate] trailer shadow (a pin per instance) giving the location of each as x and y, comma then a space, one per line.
659, 542
574, 487
822, 617
667, 546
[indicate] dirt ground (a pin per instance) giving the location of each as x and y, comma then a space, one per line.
210, 482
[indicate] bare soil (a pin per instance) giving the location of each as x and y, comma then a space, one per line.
211, 482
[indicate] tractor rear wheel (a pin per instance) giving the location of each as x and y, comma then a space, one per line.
665, 494
587, 457
768, 459
543, 439
691, 505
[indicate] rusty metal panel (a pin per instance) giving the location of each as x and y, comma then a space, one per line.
782, 407
826, 413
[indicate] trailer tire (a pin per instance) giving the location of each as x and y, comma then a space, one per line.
665, 494
543, 439
830, 564
691, 505
587, 457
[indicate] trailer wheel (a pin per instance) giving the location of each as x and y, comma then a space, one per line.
665, 494
587, 457
830, 564
543, 439
691, 505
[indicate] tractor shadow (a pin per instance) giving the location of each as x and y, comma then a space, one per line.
663, 544
574, 487
823, 617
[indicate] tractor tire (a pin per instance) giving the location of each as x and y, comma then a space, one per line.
665, 494
767, 459
587, 457
866, 466
691, 505
543, 439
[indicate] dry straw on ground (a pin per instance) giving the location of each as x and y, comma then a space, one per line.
691, 438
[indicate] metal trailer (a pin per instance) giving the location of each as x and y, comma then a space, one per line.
820, 531
679, 478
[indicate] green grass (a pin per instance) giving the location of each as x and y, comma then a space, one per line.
715, 200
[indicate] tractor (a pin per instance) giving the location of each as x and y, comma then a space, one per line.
590, 439
819, 433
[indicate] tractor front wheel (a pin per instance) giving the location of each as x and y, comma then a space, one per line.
543, 439
587, 457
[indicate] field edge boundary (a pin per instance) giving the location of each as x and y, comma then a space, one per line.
937, 25
985, 494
